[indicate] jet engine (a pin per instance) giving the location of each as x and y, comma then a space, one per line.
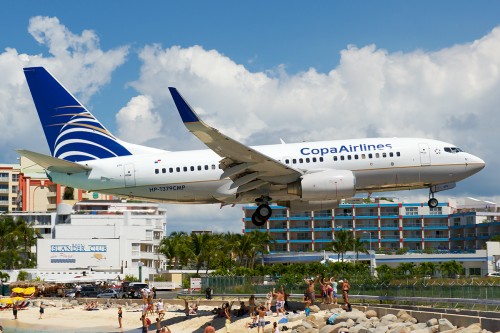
324, 185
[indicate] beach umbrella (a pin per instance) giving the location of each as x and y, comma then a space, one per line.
18, 298
18, 290
29, 290
6, 300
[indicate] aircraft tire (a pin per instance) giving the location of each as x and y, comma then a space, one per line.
257, 220
264, 211
433, 202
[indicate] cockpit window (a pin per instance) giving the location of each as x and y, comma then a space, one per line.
453, 150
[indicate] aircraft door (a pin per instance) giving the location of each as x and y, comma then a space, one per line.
425, 156
129, 174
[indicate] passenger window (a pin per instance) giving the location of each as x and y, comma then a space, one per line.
307, 160
363, 156
398, 154
157, 171
301, 160
384, 155
314, 159
356, 156
391, 154
321, 159
213, 166
287, 161
334, 158
377, 155
342, 157
370, 156
192, 168
171, 170
185, 169
294, 161
349, 157
199, 167
163, 170
178, 169
206, 167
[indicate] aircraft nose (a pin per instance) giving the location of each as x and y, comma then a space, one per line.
475, 163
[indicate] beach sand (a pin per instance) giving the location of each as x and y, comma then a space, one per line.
58, 319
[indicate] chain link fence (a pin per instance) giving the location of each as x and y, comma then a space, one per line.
436, 288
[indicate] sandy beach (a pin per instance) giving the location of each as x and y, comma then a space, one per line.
58, 318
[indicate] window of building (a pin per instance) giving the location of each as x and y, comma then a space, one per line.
436, 211
15, 177
411, 210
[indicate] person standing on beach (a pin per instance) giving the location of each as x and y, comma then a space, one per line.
261, 322
269, 301
345, 293
333, 281
14, 310
145, 324
41, 310
310, 289
227, 312
120, 316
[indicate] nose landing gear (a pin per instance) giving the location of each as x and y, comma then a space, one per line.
263, 211
433, 202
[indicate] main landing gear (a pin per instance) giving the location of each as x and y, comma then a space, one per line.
263, 211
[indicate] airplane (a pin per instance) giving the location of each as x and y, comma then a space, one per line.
301, 176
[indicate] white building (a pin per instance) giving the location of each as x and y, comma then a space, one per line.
101, 238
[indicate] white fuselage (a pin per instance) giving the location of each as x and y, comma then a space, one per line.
379, 164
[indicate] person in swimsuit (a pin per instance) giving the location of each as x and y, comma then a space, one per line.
251, 303
269, 301
227, 311
307, 303
120, 316
14, 310
160, 310
42, 310
261, 322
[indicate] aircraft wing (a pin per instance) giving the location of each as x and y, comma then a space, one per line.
248, 168
52, 163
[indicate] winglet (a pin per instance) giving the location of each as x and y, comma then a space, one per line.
185, 111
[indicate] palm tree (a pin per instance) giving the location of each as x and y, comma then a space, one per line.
167, 248
407, 268
427, 268
200, 242
451, 268
358, 246
342, 243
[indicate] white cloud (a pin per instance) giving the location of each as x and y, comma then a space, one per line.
136, 121
76, 60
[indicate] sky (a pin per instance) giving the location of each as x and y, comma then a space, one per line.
262, 71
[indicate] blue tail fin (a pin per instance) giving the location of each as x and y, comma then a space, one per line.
72, 132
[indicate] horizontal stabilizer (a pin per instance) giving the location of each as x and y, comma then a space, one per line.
52, 163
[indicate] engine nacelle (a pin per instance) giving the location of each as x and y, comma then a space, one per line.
324, 185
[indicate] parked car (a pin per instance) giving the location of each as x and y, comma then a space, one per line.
494, 274
108, 293
89, 291
70, 293
131, 289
